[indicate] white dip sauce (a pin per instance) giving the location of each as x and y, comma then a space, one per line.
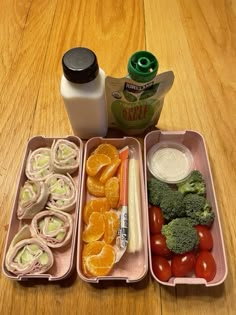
170, 164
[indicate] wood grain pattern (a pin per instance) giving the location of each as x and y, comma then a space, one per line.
196, 39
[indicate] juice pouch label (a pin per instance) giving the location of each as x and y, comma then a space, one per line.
134, 106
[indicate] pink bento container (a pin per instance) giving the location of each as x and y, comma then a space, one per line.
196, 144
132, 267
63, 257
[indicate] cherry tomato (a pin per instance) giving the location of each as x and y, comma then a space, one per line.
182, 264
161, 268
156, 219
205, 266
158, 245
205, 237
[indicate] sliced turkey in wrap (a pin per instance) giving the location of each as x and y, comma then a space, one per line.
27, 255
64, 156
53, 227
62, 192
32, 199
38, 165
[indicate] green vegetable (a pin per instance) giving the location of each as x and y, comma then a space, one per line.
181, 236
33, 247
26, 257
172, 205
60, 236
59, 188
43, 160
25, 195
156, 191
18, 255
54, 224
193, 184
64, 151
198, 209
43, 258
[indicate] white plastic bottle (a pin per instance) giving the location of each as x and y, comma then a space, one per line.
83, 92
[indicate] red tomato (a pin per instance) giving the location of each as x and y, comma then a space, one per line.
158, 245
205, 266
182, 264
161, 268
156, 219
205, 237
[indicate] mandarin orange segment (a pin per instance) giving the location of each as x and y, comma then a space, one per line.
107, 149
112, 223
110, 170
89, 249
95, 187
95, 229
102, 263
95, 205
95, 162
112, 191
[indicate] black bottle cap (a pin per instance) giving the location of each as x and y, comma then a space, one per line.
80, 65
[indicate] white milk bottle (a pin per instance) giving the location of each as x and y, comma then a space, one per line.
83, 92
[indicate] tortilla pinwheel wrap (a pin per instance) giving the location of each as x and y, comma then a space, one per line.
28, 255
62, 192
32, 199
64, 156
53, 227
38, 165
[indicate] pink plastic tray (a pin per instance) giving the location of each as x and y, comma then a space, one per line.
64, 257
133, 266
195, 143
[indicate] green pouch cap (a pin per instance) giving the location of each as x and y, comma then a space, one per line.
142, 66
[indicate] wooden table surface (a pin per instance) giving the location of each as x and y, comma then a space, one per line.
195, 39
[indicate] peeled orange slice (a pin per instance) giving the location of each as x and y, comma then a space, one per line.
95, 205
95, 187
102, 263
112, 223
107, 149
112, 191
110, 170
95, 162
89, 249
95, 229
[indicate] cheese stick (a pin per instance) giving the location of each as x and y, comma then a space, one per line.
134, 203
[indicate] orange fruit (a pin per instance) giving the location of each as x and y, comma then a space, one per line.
102, 263
95, 162
95, 205
95, 229
89, 249
112, 191
112, 223
95, 187
110, 170
107, 149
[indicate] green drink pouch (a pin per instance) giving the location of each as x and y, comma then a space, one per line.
135, 105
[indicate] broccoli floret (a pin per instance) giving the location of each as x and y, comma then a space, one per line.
156, 191
198, 209
181, 236
172, 205
193, 184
